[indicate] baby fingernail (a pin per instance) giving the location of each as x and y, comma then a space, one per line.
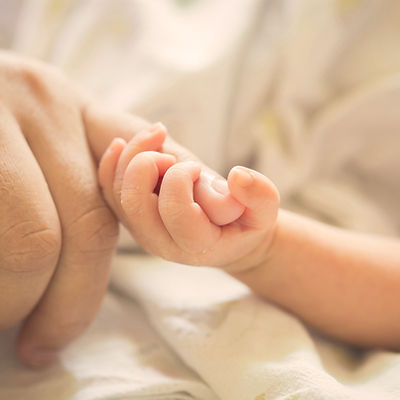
158, 126
220, 185
244, 177
115, 144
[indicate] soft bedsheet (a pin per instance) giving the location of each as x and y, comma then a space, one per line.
172, 332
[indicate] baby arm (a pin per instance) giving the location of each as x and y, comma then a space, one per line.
344, 284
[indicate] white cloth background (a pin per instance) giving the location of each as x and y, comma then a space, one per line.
307, 92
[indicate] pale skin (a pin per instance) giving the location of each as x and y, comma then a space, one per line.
344, 284
58, 234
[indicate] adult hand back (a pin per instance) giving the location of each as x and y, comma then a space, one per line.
57, 236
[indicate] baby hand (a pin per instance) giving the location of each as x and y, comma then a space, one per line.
211, 191
175, 209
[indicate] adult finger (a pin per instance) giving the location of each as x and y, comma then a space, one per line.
89, 234
30, 236
103, 124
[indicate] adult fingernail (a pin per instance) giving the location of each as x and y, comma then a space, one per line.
244, 178
219, 185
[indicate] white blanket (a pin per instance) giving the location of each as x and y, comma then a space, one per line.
119, 357
233, 346
246, 348
306, 91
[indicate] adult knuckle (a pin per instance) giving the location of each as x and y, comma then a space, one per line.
69, 329
45, 86
29, 247
35, 83
31, 80
95, 231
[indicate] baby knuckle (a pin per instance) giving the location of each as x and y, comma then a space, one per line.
174, 254
29, 248
143, 157
132, 204
172, 210
274, 195
269, 193
95, 231
170, 255
192, 246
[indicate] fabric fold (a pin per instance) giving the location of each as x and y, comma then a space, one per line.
244, 347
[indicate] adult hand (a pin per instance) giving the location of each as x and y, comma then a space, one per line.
57, 235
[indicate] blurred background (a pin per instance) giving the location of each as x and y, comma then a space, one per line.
307, 92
